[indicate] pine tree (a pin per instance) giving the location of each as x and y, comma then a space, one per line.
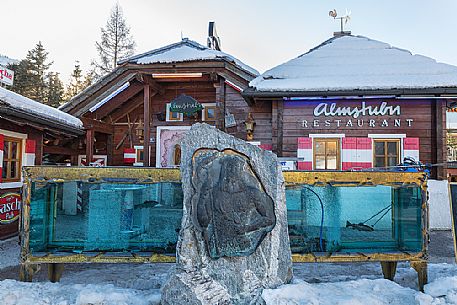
78, 82
22, 81
116, 43
55, 90
39, 66
31, 77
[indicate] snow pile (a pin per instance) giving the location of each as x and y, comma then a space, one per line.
356, 62
441, 291
360, 292
19, 293
187, 50
25, 104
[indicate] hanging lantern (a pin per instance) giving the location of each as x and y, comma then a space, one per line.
250, 124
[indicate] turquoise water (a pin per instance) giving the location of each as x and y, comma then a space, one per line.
85, 217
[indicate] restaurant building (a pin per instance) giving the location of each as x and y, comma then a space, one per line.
133, 105
30, 133
353, 103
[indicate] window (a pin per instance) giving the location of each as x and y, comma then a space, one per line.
173, 116
326, 154
209, 112
140, 155
12, 154
386, 152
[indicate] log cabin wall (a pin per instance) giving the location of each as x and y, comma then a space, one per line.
261, 112
422, 119
203, 92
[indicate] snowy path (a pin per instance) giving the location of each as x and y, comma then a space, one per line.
342, 284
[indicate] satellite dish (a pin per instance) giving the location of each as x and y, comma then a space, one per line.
214, 42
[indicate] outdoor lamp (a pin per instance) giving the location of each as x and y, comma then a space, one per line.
139, 131
250, 124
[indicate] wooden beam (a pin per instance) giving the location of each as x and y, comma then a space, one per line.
59, 150
280, 128
130, 107
97, 125
118, 100
109, 149
220, 110
89, 145
147, 123
147, 79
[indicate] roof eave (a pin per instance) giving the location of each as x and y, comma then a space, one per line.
49, 123
252, 93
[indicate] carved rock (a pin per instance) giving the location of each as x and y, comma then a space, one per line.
233, 241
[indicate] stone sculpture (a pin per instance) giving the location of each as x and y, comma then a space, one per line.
233, 241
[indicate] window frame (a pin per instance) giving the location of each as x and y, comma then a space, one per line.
169, 115
207, 106
386, 155
338, 152
8, 160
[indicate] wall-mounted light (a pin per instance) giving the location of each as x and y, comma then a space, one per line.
176, 75
250, 124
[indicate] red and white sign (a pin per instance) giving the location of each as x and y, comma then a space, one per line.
6, 76
10, 207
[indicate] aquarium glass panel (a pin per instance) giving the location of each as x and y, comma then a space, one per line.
354, 219
80, 216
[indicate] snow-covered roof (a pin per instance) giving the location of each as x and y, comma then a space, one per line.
186, 50
5, 60
24, 104
356, 63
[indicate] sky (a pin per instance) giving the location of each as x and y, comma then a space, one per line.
261, 33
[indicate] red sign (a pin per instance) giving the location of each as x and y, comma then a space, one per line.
10, 207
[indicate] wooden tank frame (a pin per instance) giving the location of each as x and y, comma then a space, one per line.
55, 262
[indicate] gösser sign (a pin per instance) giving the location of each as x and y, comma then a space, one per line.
10, 207
354, 116
6, 76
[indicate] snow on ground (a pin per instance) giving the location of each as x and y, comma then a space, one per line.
313, 284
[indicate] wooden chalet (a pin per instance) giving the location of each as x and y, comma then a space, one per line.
131, 106
354, 103
30, 134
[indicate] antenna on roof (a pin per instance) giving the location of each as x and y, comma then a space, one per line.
346, 18
214, 42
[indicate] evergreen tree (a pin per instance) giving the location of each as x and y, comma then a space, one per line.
37, 73
22, 82
116, 43
31, 76
78, 82
55, 90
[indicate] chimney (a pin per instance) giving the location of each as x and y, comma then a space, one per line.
341, 34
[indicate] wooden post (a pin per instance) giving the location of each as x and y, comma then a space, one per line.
220, 112
89, 145
55, 271
389, 269
109, 149
147, 124
280, 128
441, 150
